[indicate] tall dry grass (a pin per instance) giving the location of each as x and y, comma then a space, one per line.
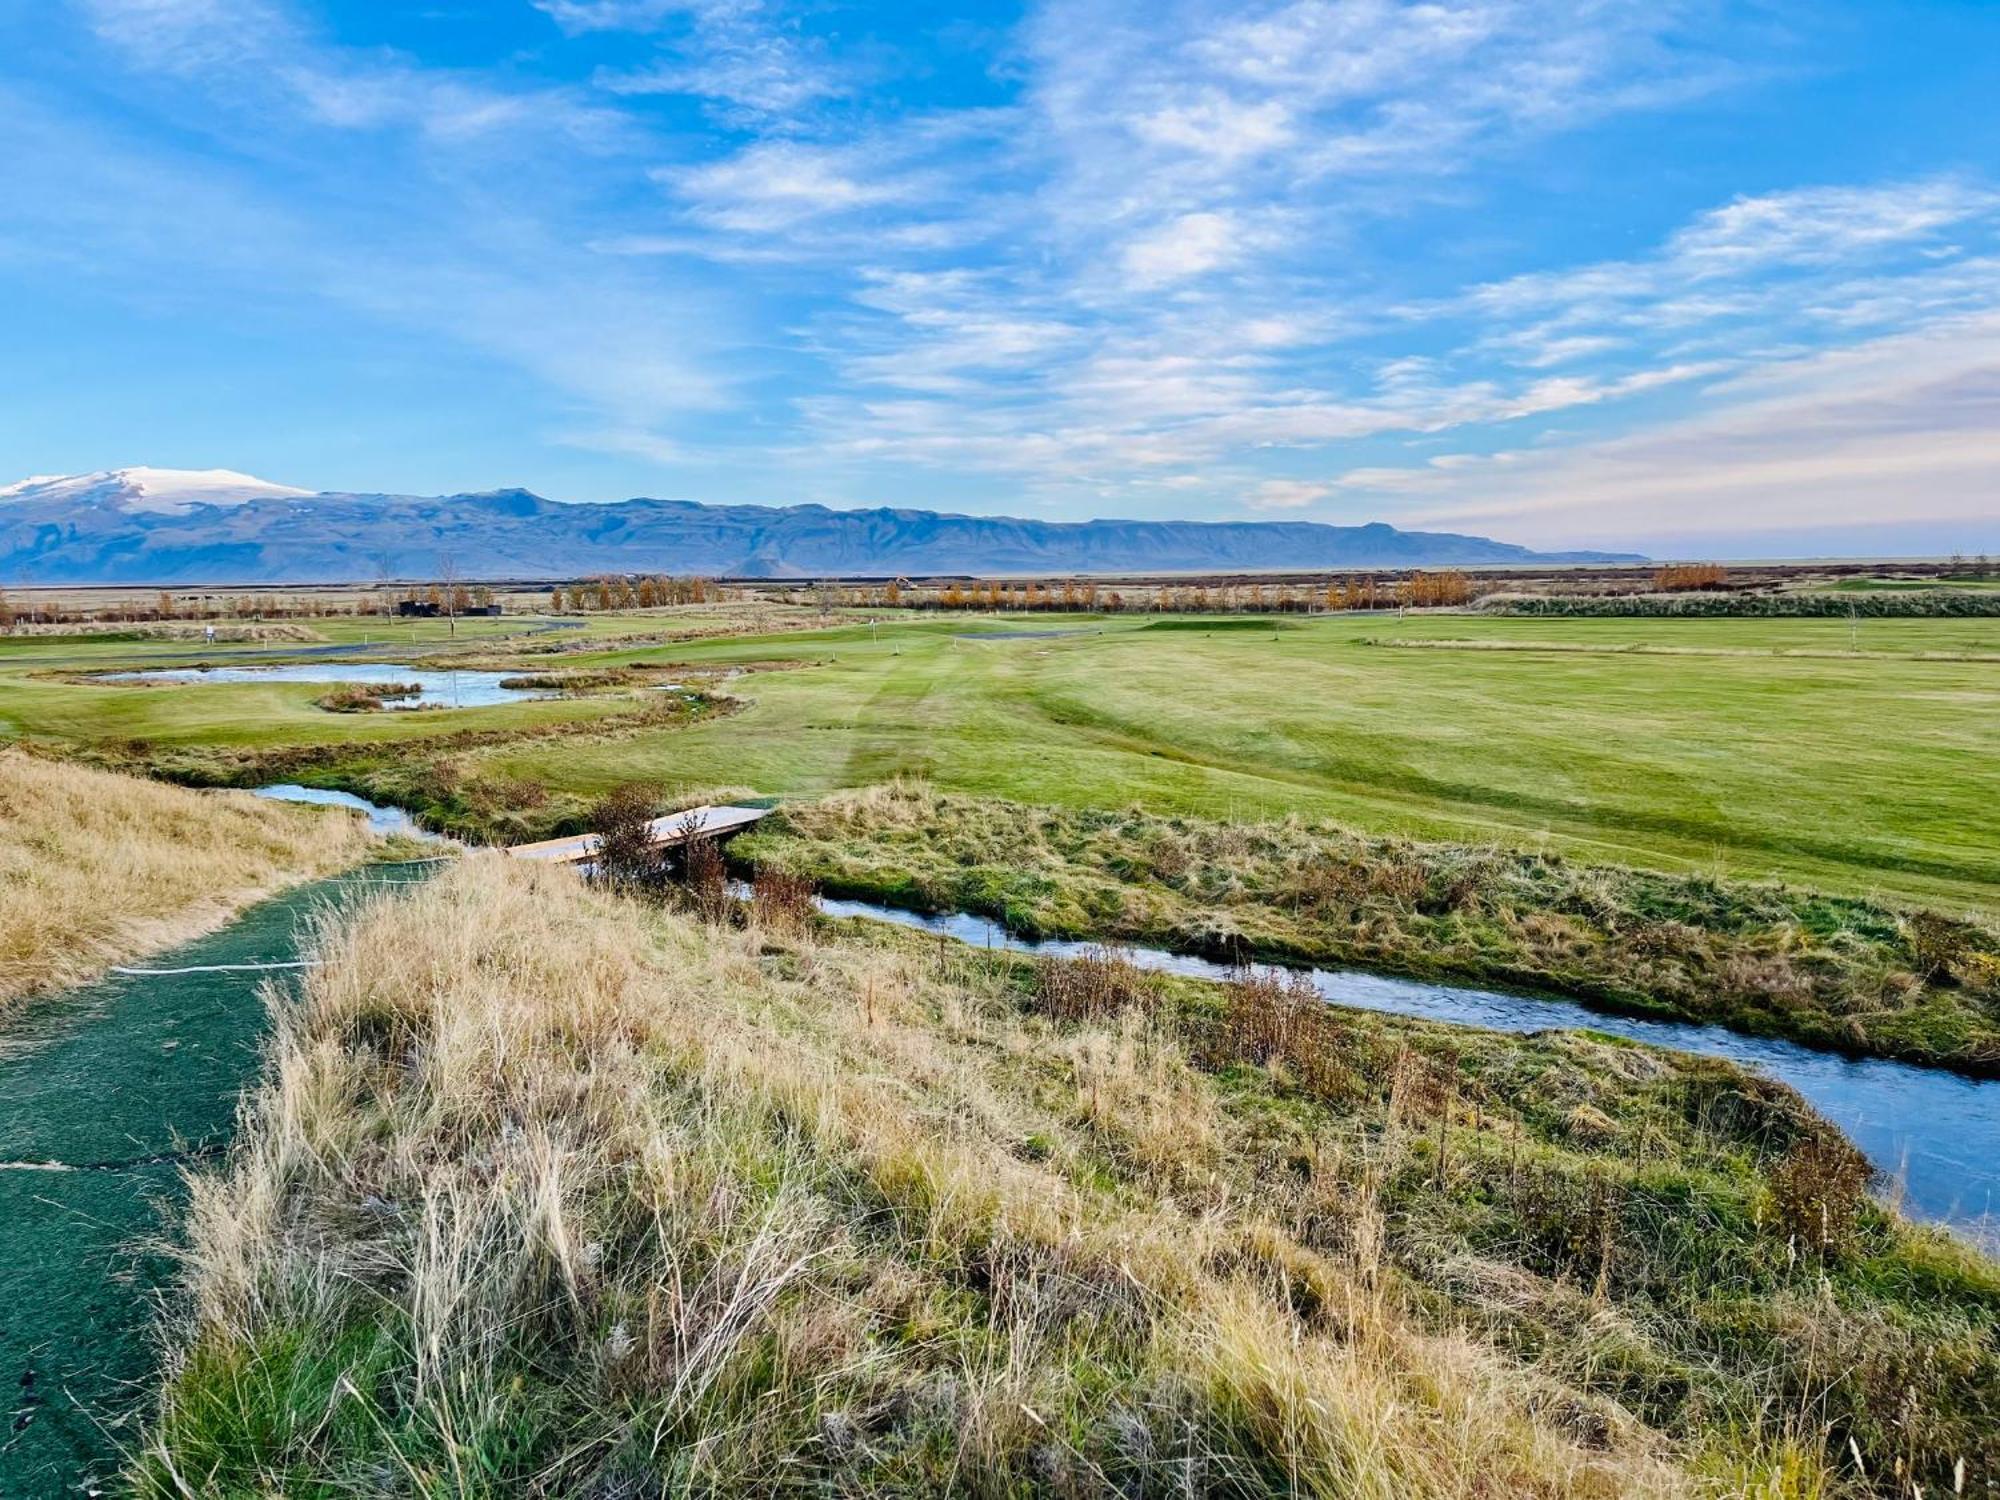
548, 1192
96, 867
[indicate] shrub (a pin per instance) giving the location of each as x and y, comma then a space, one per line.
1094, 984
1938, 944
782, 900
704, 876
627, 853
1925, 603
1817, 1191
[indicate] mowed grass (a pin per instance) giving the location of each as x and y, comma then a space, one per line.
1873, 775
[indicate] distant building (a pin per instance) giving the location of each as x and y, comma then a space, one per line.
419, 609
481, 609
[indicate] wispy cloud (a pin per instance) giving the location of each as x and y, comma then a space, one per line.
1231, 255
1902, 429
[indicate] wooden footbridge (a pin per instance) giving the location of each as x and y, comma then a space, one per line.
670, 832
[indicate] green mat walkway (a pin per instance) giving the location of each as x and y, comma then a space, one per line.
105, 1092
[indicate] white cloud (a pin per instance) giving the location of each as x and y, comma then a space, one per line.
1288, 494
1184, 247
1814, 226
775, 184
1217, 126
1800, 229
1905, 427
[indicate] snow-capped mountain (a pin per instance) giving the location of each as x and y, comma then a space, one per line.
165, 492
216, 526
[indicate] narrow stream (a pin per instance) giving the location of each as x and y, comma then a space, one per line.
383, 820
1934, 1135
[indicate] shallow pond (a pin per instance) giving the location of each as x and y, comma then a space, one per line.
1934, 1135
442, 687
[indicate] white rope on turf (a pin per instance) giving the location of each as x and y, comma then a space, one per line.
288, 963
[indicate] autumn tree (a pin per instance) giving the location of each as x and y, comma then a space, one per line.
1677, 577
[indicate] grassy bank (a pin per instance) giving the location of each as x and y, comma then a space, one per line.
433, 777
1925, 603
550, 1193
96, 868
1827, 970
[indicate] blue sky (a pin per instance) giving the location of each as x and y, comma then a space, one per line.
1686, 277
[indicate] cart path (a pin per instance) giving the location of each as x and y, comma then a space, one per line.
107, 1092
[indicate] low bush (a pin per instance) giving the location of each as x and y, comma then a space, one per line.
1090, 986
1924, 603
624, 850
781, 900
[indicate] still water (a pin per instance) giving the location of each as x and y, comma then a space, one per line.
441, 687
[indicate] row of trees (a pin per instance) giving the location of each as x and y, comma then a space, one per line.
613, 592
453, 598
168, 606
1087, 596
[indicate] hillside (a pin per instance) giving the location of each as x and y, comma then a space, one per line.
572, 1195
147, 526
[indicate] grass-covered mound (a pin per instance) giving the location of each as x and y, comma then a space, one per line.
435, 777
1221, 622
365, 697
550, 1193
1827, 970
97, 867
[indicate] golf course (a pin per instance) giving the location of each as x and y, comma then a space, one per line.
1374, 1053
1855, 760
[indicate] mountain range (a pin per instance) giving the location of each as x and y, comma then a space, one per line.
216, 526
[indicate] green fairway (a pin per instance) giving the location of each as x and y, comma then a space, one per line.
1869, 772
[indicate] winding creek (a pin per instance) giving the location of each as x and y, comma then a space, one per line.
1934, 1135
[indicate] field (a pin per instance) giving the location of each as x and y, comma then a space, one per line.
1863, 773
1855, 775
541, 1188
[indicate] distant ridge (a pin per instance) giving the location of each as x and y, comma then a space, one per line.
177, 526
